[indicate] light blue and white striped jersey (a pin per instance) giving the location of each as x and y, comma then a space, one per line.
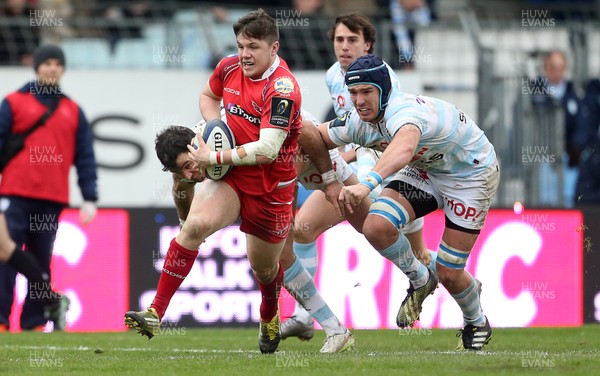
451, 143
339, 91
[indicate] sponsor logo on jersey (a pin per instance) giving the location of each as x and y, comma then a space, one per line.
416, 173
341, 101
282, 230
256, 107
282, 106
284, 85
281, 110
461, 210
231, 66
230, 90
418, 154
237, 110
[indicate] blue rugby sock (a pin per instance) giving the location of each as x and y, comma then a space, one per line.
307, 254
469, 303
433, 262
402, 256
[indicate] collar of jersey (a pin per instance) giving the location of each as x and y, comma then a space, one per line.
270, 70
341, 71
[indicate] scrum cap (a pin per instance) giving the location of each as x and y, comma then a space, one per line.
370, 69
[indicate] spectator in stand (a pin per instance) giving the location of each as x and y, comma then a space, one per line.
303, 45
588, 121
549, 92
588, 183
17, 38
406, 15
55, 16
127, 20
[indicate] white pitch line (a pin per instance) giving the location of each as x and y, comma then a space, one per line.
240, 351
131, 349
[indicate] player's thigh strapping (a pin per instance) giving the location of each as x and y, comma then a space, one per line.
367, 158
416, 189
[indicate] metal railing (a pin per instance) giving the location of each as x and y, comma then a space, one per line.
529, 139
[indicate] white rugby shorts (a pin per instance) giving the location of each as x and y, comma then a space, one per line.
466, 201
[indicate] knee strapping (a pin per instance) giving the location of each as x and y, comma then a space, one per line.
413, 226
390, 210
451, 257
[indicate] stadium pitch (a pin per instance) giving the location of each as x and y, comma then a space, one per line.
186, 351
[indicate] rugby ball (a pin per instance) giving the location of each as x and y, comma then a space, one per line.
217, 135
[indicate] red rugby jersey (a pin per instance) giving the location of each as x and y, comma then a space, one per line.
272, 101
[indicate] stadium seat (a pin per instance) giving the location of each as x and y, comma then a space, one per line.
196, 52
87, 53
445, 58
155, 33
140, 53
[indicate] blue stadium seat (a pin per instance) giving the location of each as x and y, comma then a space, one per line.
156, 33
87, 53
196, 52
138, 53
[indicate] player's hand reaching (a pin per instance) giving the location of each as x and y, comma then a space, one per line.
352, 195
200, 153
332, 193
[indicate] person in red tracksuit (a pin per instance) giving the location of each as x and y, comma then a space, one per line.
35, 184
262, 103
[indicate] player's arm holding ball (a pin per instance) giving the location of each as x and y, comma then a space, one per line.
262, 151
210, 104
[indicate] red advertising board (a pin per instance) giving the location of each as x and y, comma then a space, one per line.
530, 265
90, 264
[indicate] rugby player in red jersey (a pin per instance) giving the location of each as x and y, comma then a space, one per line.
262, 102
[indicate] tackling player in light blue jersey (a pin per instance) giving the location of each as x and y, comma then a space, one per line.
353, 36
450, 142
440, 159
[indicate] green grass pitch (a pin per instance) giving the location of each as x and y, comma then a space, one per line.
185, 351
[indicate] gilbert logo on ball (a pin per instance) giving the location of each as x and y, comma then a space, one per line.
218, 137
